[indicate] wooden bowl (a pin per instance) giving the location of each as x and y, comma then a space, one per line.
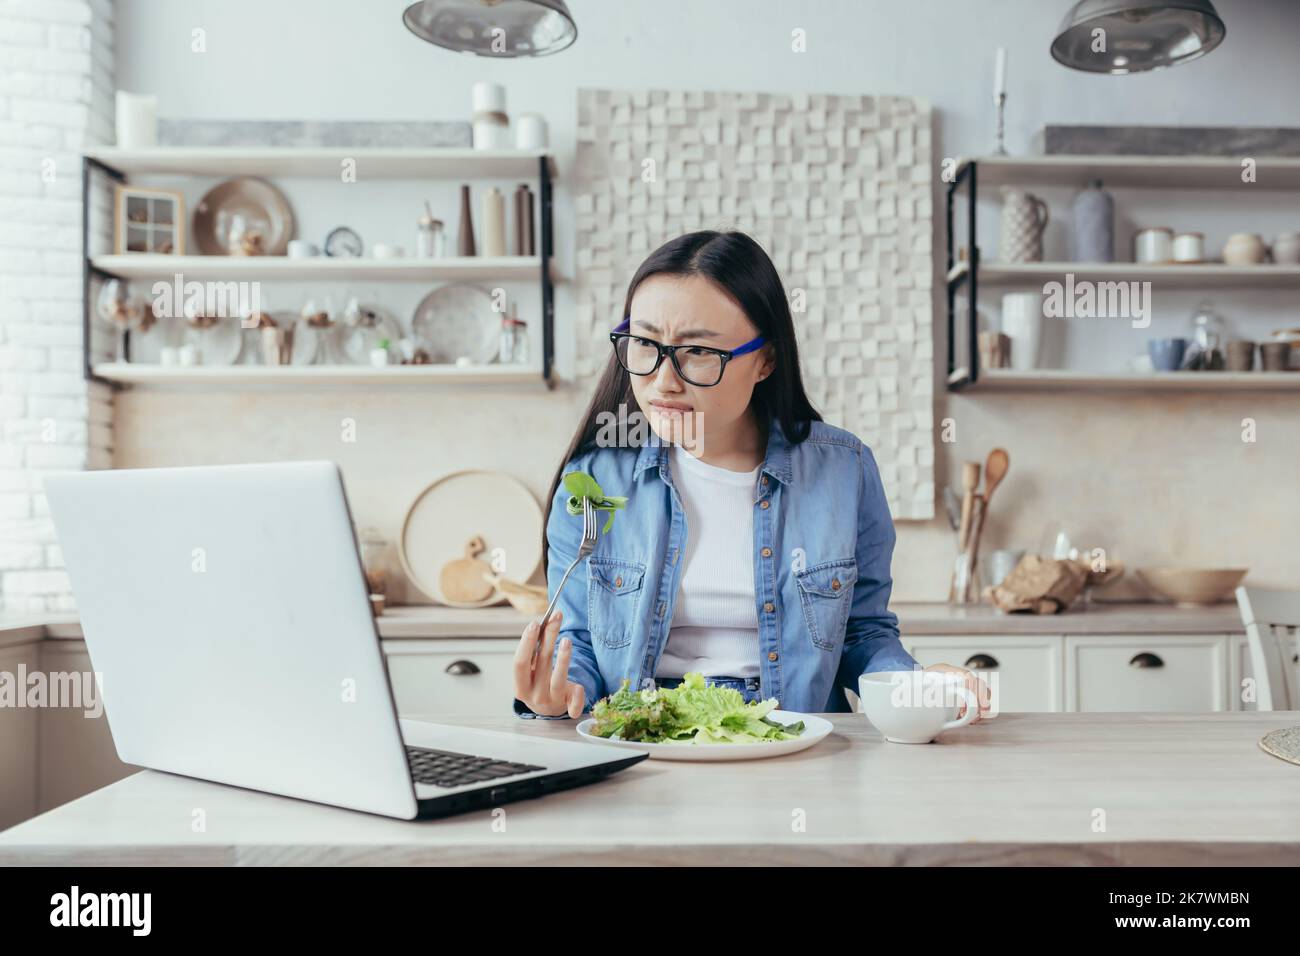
1193, 587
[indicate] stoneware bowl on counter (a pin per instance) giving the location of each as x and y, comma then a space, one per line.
1193, 587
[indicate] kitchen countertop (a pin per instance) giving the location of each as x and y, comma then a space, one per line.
1175, 790
430, 622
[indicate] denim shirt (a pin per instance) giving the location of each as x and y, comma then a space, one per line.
823, 542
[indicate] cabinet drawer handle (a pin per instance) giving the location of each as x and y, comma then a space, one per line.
982, 662
1146, 659
461, 668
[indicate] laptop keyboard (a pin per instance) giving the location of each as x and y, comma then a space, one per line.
445, 769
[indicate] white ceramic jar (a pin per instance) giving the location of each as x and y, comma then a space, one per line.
1244, 249
1189, 247
1154, 246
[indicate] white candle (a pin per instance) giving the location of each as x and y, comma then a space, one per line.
1000, 73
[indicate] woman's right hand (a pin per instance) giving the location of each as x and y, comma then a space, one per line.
545, 689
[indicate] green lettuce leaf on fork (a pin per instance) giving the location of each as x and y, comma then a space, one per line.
581, 485
692, 712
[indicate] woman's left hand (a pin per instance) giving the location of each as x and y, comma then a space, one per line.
973, 681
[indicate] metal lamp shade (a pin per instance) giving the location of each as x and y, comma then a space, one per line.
497, 28
1139, 35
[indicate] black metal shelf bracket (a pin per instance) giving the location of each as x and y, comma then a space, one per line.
966, 174
548, 286
89, 165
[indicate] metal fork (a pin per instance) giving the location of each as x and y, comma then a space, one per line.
588, 545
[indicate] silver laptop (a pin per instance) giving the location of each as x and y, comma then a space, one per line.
227, 612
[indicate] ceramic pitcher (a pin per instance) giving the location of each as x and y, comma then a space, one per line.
1024, 217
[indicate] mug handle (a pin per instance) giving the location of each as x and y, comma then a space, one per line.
972, 711
1040, 209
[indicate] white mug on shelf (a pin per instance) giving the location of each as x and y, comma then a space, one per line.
1022, 322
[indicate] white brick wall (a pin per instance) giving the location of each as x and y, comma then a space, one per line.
56, 97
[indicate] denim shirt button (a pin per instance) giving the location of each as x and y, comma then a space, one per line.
769, 607
772, 655
765, 504
767, 552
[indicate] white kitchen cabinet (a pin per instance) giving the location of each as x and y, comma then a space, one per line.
1151, 672
77, 754
452, 676
1025, 672
19, 736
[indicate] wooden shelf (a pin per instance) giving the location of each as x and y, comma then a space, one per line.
1064, 380
371, 162
312, 375
1162, 172
1206, 276
147, 266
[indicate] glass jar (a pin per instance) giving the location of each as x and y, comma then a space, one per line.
506, 346
429, 238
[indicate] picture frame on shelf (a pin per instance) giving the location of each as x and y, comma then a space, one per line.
148, 220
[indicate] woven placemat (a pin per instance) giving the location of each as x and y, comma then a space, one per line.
1284, 743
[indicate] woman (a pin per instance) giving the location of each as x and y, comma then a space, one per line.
756, 541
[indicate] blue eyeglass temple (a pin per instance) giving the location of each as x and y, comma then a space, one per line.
745, 349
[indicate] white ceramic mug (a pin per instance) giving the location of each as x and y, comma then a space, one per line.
913, 707
1022, 322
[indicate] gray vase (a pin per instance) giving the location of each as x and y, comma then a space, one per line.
1092, 225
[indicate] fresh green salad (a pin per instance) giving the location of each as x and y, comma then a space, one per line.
581, 485
693, 712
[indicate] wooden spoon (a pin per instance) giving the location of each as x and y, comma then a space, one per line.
995, 469
970, 480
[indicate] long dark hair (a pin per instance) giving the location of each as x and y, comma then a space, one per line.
738, 266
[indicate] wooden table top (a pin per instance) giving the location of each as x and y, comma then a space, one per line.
1070, 788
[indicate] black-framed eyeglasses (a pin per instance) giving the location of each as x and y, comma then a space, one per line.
698, 365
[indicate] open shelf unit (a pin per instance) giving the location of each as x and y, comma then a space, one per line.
134, 373
372, 163
1007, 380
1163, 172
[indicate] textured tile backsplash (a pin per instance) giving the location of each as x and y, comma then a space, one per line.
835, 188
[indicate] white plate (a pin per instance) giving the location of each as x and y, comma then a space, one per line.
455, 508
814, 729
457, 320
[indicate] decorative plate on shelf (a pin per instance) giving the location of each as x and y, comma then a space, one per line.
458, 320
219, 344
248, 206
361, 328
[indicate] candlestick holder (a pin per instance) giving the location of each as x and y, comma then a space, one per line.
1000, 101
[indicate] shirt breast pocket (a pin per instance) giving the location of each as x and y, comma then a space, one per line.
613, 598
826, 593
